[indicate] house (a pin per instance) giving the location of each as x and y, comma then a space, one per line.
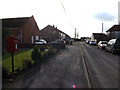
24, 27
98, 37
114, 32
51, 33
83, 39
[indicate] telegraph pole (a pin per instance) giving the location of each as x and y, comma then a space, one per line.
102, 27
75, 32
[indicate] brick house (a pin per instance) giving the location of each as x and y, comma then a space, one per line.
51, 33
25, 28
98, 37
114, 32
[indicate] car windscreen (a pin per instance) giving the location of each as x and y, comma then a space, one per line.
104, 43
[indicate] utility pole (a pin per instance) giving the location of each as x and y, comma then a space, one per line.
102, 27
75, 32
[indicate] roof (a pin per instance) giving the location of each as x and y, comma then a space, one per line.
14, 22
96, 35
49, 27
114, 28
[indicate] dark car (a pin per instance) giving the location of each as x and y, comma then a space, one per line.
113, 46
92, 42
62, 43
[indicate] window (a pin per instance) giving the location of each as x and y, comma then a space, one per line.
32, 39
37, 37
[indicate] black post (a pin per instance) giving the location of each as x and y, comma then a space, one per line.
12, 64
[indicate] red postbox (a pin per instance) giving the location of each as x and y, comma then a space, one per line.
12, 44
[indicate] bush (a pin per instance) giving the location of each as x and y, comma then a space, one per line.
36, 54
45, 55
42, 48
51, 50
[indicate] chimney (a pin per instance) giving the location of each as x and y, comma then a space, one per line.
53, 25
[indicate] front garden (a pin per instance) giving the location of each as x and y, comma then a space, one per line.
24, 59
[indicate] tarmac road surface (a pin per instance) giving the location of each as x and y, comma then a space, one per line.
102, 67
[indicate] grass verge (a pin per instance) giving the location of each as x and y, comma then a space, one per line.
19, 58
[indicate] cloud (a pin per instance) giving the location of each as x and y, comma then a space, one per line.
104, 16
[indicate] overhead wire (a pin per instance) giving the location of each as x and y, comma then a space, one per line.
66, 14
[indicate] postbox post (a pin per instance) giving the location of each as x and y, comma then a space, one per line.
12, 63
12, 46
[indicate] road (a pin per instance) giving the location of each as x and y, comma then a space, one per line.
102, 67
67, 69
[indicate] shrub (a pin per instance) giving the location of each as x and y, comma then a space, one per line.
42, 48
45, 54
51, 50
36, 54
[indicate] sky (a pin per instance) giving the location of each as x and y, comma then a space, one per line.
86, 16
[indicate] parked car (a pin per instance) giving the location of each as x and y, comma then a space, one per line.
92, 42
102, 44
87, 41
62, 43
41, 41
71, 41
113, 46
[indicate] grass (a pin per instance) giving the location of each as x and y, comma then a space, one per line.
19, 58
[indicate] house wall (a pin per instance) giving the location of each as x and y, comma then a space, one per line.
29, 31
113, 34
98, 37
16, 32
49, 34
